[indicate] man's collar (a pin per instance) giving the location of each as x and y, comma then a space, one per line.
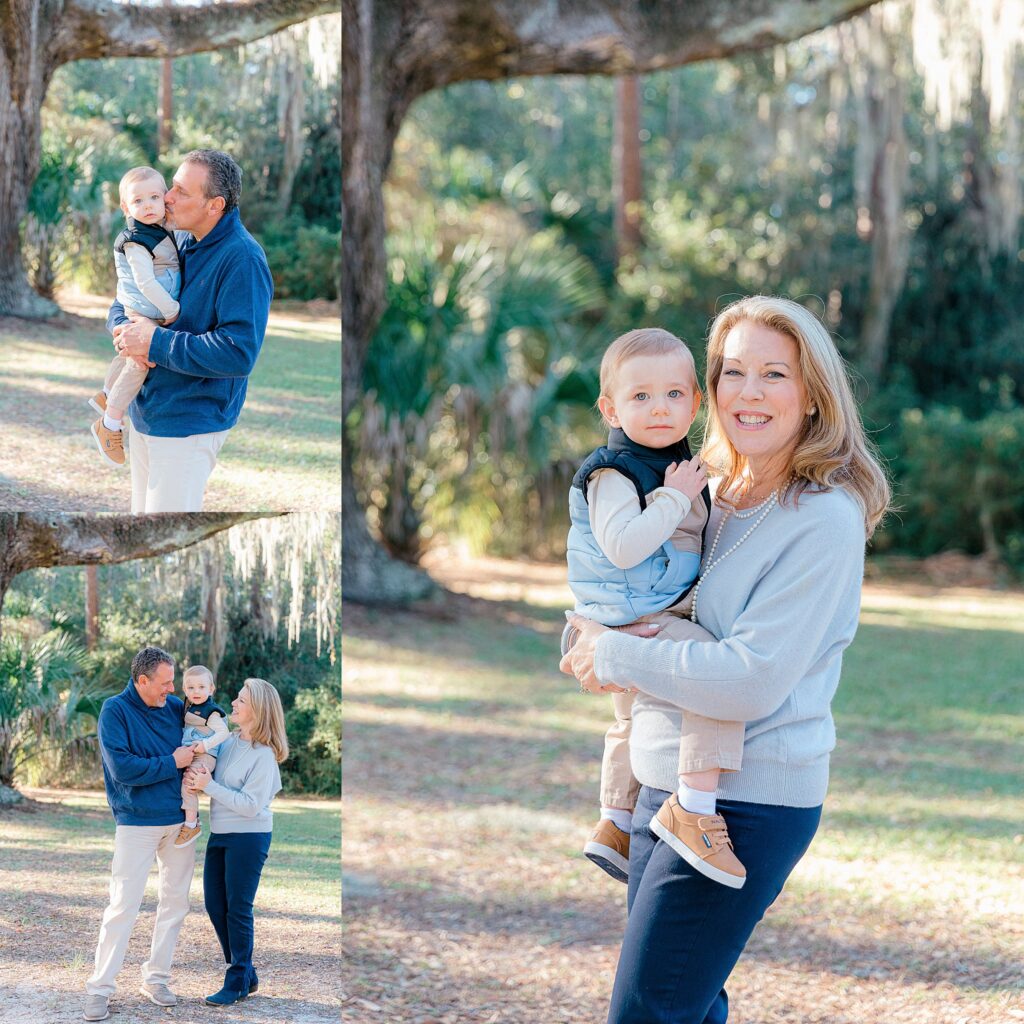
132, 694
224, 226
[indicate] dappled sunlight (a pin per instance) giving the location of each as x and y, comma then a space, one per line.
299, 330
542, 584
953, 609
911, 898
282, 454
899, 880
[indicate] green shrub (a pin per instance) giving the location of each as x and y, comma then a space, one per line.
958, 483
305, 259
314, 736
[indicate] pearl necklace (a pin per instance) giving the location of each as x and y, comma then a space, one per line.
233, 752
764, 508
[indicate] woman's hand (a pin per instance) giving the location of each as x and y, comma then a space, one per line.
579, 659
197, 778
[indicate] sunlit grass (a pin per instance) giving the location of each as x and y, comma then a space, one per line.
912, 892
283, 453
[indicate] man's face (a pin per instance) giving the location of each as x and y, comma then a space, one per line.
188, 209
153, 689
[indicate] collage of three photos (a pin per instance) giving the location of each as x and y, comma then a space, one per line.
170, 503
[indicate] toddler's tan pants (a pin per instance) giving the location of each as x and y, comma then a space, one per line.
704, 742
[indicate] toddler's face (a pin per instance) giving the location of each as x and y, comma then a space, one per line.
197, 688
144, 201
654, 399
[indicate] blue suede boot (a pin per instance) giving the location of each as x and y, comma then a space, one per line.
225, 997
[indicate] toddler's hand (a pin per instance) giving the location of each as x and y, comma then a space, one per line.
688, 477
198, 748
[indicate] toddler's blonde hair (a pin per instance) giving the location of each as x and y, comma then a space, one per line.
645, 341
139, 174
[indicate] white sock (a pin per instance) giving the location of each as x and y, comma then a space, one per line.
191, 824
111, 424
623, 819
696, 801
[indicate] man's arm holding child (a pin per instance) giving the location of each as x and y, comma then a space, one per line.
230, 348
129, 768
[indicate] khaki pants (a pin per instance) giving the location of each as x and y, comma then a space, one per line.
169, 474
135, 847
123, 382
703, 743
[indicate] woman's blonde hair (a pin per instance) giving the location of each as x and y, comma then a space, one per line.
268, 717
831, 449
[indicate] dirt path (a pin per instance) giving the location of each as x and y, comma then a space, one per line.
54, 875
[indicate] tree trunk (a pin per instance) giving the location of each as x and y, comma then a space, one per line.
24, 78
31, 540
166, 113
369, 575
92, 609
393, 53
881, 179
37, 36
165, 102
291, 99
626, 168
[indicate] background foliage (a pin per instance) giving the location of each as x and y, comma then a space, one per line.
272, 104
821, 170
204, 606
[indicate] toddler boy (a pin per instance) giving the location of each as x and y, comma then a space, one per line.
148, 283
639, 508
205, 728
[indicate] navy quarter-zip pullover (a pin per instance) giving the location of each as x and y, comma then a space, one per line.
203, 360
137, 744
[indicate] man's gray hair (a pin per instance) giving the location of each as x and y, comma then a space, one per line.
147, 660
223, 175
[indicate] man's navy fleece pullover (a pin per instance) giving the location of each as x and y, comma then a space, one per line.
203, 360
137, 744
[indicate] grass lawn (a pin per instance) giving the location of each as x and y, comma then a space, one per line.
471, 780
283, 453
54, 879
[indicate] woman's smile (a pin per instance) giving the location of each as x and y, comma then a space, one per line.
751, 420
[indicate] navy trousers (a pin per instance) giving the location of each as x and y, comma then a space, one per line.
685, 932
231, 875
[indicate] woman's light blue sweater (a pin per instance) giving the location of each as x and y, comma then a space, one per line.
244, 782
785, 604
